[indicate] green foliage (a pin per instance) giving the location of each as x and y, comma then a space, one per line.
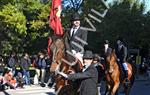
126, 19
14, 18
22, 22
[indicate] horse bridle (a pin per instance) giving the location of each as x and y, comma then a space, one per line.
55, 52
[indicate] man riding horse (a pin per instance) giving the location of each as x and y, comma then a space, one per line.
121, 53
106, 52
72, 42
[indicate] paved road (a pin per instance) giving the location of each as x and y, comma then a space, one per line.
29, 90
140, 87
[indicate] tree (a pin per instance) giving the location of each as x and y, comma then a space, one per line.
22, 22
125, 19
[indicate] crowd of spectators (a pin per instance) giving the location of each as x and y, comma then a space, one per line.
15, 71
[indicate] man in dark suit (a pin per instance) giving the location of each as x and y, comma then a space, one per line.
121, 53
107, 49
73, 32
89, 76
106, 53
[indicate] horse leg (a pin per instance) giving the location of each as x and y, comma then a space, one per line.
57, 92
127, 89
131, 77
117, 92
115, 88
108, 89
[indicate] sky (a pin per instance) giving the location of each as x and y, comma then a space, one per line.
147, 2
147, 5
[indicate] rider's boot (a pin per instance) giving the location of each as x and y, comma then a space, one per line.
126, 74
126, 78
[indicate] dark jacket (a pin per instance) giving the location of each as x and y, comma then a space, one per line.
41, 63
2, 65
25, 63
89, 80
80, 33
121, 53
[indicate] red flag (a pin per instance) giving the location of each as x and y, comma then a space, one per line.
48, 47
55, 21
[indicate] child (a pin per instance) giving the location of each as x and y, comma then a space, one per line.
9, 80
20, 80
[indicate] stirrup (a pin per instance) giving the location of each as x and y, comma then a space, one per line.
127, 81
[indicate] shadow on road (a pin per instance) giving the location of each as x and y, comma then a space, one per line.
5, 93
49, 93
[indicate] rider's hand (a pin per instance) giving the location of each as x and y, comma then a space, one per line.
58, 14
63, 74
73, 51
78, 54
102, 66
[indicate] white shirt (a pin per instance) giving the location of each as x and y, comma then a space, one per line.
73, 29
106, 47
86, 66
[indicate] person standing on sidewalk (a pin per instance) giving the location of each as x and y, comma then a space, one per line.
12, 62
40, 69
25, 64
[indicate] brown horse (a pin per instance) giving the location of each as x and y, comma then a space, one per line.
59, 62
114, 74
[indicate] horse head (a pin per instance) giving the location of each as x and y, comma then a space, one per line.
61, 59
113, 56
57, 49
113, 77
111, 61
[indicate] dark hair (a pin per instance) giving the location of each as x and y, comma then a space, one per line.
106, 42
75, 16
122, 40
12, 53
96, 57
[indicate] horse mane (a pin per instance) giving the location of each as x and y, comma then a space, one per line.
113, 56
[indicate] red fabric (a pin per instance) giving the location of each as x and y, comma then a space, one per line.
34, 63
48, 47
55, 22
13, 81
